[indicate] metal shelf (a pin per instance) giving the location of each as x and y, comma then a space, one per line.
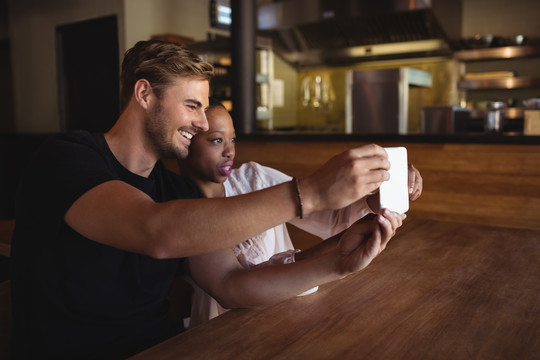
505, 52
504, 83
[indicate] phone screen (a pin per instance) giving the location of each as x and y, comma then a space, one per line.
394, 194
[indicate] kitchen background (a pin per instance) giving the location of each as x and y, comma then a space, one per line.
29, 90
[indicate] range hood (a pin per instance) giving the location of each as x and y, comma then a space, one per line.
337, 32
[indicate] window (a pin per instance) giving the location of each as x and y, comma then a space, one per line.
220, 14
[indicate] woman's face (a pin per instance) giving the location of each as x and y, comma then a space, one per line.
211, 153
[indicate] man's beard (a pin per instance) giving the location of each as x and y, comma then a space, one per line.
156, 129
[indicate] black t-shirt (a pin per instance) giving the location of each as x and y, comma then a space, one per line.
74, 297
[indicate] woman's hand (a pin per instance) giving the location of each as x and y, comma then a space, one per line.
415, 183
366, 239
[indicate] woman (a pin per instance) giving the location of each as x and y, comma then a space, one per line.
235, 275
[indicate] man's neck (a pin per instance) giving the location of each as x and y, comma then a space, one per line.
128, 143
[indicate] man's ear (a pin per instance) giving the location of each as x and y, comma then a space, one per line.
143, 93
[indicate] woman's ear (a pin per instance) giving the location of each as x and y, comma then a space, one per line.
143, 93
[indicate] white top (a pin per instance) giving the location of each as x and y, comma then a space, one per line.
250, 177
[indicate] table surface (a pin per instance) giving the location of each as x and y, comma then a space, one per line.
440, 290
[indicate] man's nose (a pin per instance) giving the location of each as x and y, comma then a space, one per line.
201, 122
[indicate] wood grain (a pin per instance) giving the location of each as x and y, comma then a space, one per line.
441, 290
496, 185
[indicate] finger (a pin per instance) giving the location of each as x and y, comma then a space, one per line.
378, 176
372, 178
395, 220
412, 179
418, 187
416, 194
387, 231
354, 236
371, 163
372, 247
368, 151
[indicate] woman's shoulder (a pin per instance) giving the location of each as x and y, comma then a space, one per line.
253, 176
254, 169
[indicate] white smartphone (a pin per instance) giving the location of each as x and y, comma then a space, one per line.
394, 193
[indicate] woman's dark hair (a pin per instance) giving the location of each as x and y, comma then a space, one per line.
215, 103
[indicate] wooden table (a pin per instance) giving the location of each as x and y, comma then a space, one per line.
441, 290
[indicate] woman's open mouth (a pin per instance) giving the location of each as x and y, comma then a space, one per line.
226, 168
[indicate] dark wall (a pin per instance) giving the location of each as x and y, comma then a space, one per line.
7, 119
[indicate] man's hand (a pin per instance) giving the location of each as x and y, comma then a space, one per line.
345, 178
366, 239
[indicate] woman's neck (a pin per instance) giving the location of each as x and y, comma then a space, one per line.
211, 189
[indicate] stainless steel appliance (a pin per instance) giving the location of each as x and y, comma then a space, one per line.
445, 119
494, 117
378, 100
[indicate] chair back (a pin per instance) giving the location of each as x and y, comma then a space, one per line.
6, 320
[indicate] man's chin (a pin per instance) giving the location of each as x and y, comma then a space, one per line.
177, 153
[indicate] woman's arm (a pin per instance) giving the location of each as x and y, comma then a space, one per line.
328, 223
233, 286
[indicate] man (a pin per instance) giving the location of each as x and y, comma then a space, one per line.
102, 225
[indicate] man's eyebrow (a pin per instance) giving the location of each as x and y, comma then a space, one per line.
194, 102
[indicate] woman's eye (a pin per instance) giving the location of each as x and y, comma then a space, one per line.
233, 140
217, 140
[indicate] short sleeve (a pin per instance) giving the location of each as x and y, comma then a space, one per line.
62, 171
252, 176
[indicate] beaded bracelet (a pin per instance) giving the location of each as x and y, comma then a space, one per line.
300, 204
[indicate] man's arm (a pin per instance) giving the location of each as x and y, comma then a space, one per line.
325, 224
116, 214
233, 286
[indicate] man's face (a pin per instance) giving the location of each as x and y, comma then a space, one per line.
175, 118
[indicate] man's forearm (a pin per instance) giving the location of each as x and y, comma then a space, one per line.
210, 224
131, 221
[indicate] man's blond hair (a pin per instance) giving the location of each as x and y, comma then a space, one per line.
160, 63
